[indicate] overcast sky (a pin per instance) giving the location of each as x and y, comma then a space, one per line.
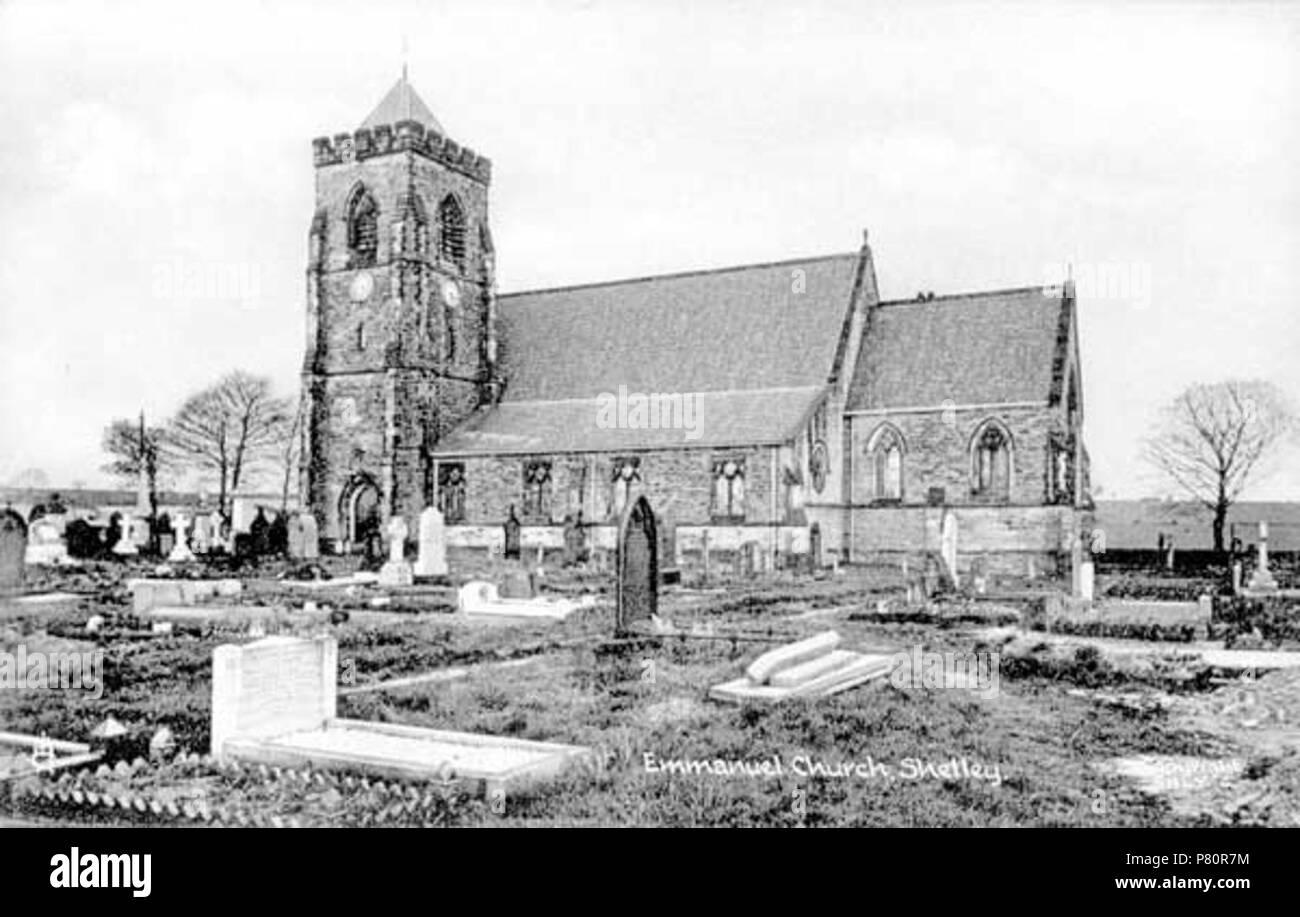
157, 176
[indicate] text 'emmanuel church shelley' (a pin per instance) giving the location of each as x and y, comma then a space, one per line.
814, 402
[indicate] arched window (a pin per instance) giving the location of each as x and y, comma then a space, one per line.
886, 455
729, 490
626, 474
363, 228
991, 462
451, 231
1060, 468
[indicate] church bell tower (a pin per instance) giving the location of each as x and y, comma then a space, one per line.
400, 314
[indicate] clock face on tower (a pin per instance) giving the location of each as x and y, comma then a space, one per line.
450, 293
362, 286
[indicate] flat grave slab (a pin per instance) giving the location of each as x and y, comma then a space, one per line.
151, 593
234, 615
479, 598
488, 763
274, 701
814, 667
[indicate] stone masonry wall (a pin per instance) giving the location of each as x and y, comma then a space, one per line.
678, 484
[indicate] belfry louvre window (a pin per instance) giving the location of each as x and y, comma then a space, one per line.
451, 231
363, 229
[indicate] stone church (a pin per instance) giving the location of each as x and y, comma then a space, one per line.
780, 403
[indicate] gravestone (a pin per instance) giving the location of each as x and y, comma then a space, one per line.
815, 548
948, 542
13, 550
1086, 580
294, 547
396, 571
113, 533
1169, 554
83, 539
141, 531
241, 515
180, 552
670, 561
277, 535
164, 535
637, 567
1261, 580
201, 540
274, 686
512, 535
432, 558
125, 546
260, 530
517, 583
751, 558
574, 541
310, 536
979, 574
44, 544
275, 702
221, 534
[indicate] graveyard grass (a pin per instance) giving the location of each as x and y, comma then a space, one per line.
1045, 741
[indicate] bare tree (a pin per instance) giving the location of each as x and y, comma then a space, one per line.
290, 449
228, 429
136, 450
1212, 437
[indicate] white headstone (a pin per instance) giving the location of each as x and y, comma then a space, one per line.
310, 536
1086, 580
218, 536
242, 514
274, 686
201, 541
44, 544
140, 532
125, 546
397, 531
181, 550
948, 542
1262, 579
432, 560
397, 572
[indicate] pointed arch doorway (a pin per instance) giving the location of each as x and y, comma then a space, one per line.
359, 515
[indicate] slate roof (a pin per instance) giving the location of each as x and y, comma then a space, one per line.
972, 348
717, 419
402, 103
704, 331
756, 343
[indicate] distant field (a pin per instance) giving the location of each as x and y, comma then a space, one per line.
1139, 523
